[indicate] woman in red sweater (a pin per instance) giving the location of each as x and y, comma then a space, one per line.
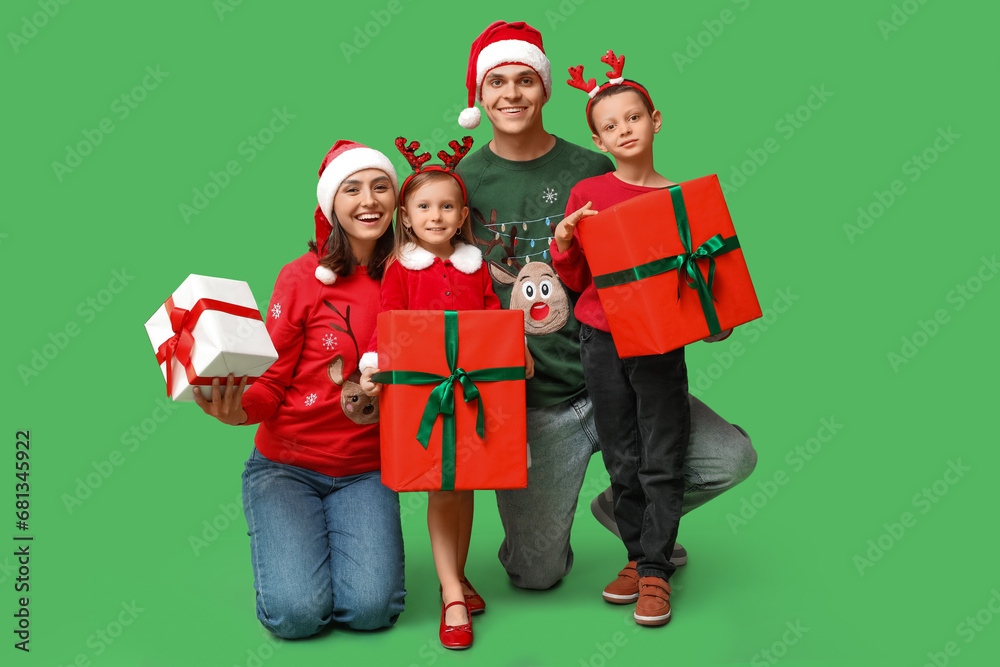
325, 535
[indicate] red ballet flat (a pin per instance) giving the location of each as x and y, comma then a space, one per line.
474, 601
455, 637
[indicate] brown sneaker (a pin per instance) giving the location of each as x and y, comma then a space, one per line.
625, 588
653, 607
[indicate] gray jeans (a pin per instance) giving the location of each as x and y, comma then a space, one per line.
537, 520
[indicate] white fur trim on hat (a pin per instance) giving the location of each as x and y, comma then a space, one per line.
325, 275
469, 118
347, 163
510, 51
467, 258
368, 360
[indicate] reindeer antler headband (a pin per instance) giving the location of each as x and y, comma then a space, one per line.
615, 78
450, 160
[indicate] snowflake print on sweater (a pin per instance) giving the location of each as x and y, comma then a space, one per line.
276, 310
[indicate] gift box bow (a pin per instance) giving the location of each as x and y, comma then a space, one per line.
180, 345
442, 399
685, 263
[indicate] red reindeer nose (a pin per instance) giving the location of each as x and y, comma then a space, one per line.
539, 311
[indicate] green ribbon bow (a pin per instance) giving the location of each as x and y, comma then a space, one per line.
442, 398
685, 263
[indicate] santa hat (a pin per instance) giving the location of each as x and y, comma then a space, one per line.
344, 159
503, 43
617, 64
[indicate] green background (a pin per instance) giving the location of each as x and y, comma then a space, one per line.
792, 562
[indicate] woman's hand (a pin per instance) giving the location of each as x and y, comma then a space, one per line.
564, 230
226, 407
370, 388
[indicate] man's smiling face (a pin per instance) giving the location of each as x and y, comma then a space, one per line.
512, 96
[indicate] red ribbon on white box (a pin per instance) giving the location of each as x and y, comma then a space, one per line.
182, 322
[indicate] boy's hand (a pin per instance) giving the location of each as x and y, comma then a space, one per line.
370, 388
226, 407
723, 335
564, 230
529, 364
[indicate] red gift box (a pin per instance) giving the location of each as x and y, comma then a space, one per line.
668, 268
430, 362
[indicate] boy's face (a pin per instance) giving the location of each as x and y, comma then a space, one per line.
512, 96
625, 128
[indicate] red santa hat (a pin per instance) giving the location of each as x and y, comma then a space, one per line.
342, 160
503, 43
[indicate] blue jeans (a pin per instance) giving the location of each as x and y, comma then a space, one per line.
323, 548
537, 520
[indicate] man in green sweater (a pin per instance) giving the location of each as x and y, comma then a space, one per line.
518, 185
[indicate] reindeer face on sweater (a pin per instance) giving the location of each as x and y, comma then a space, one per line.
358, 407
538, 292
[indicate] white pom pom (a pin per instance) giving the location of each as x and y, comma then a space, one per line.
469, 118
325, 275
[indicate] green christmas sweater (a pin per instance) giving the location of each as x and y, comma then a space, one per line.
515, 207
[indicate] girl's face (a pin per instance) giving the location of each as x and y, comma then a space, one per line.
433, 213
364, 204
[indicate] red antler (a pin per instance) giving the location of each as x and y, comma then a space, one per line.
451, 161
409, 153
577, 80
617, 64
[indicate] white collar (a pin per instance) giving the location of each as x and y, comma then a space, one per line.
466, 258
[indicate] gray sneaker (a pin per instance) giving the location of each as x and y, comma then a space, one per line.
602, 509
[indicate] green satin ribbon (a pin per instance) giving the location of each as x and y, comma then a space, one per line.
685, 263
442, 398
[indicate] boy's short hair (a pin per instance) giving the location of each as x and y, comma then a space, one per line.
617, 89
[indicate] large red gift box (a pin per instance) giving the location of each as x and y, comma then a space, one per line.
430, 361
668, 268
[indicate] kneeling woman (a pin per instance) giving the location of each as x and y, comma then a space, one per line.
325, 535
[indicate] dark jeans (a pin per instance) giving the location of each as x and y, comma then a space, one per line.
643, 420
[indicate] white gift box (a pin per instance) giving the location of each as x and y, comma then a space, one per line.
224, 343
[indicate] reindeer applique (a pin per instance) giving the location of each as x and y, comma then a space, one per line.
535, 289
358, 407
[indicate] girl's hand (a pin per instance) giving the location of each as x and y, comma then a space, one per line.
564, 230
370, 388
226, 407
719, 336
529, 364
